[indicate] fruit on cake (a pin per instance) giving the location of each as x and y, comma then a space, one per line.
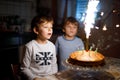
86, 58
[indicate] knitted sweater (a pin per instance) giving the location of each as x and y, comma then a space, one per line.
39, 60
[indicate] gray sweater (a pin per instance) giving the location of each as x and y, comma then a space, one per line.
39, 60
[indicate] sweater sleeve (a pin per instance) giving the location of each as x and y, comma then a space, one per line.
82, 44
26, 64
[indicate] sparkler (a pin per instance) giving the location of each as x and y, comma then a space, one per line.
90, 19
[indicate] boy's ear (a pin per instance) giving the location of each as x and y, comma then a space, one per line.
35, 30
63, 30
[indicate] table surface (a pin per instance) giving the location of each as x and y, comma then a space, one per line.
111, 71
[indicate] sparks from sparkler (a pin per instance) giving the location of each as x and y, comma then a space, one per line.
90, 18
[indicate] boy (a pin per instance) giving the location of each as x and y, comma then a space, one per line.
68, 42
40, 54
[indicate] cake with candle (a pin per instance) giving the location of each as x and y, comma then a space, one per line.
86, 58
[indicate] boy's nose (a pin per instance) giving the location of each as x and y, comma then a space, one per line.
71, 29
49, 29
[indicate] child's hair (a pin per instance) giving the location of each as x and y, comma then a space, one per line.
71, 20
37, 20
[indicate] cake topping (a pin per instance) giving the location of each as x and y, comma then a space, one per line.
88, 56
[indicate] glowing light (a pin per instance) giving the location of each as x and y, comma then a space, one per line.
83, 17
104, 28
102, 13
90, 16
114, 11
117, 25
96, 27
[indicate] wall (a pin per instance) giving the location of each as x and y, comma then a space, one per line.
24, 9
71, 9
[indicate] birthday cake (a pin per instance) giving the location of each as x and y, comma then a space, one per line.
86, 58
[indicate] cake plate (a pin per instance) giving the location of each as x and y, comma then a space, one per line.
93, 73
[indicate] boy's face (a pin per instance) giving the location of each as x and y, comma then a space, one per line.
45, 31
70, 30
